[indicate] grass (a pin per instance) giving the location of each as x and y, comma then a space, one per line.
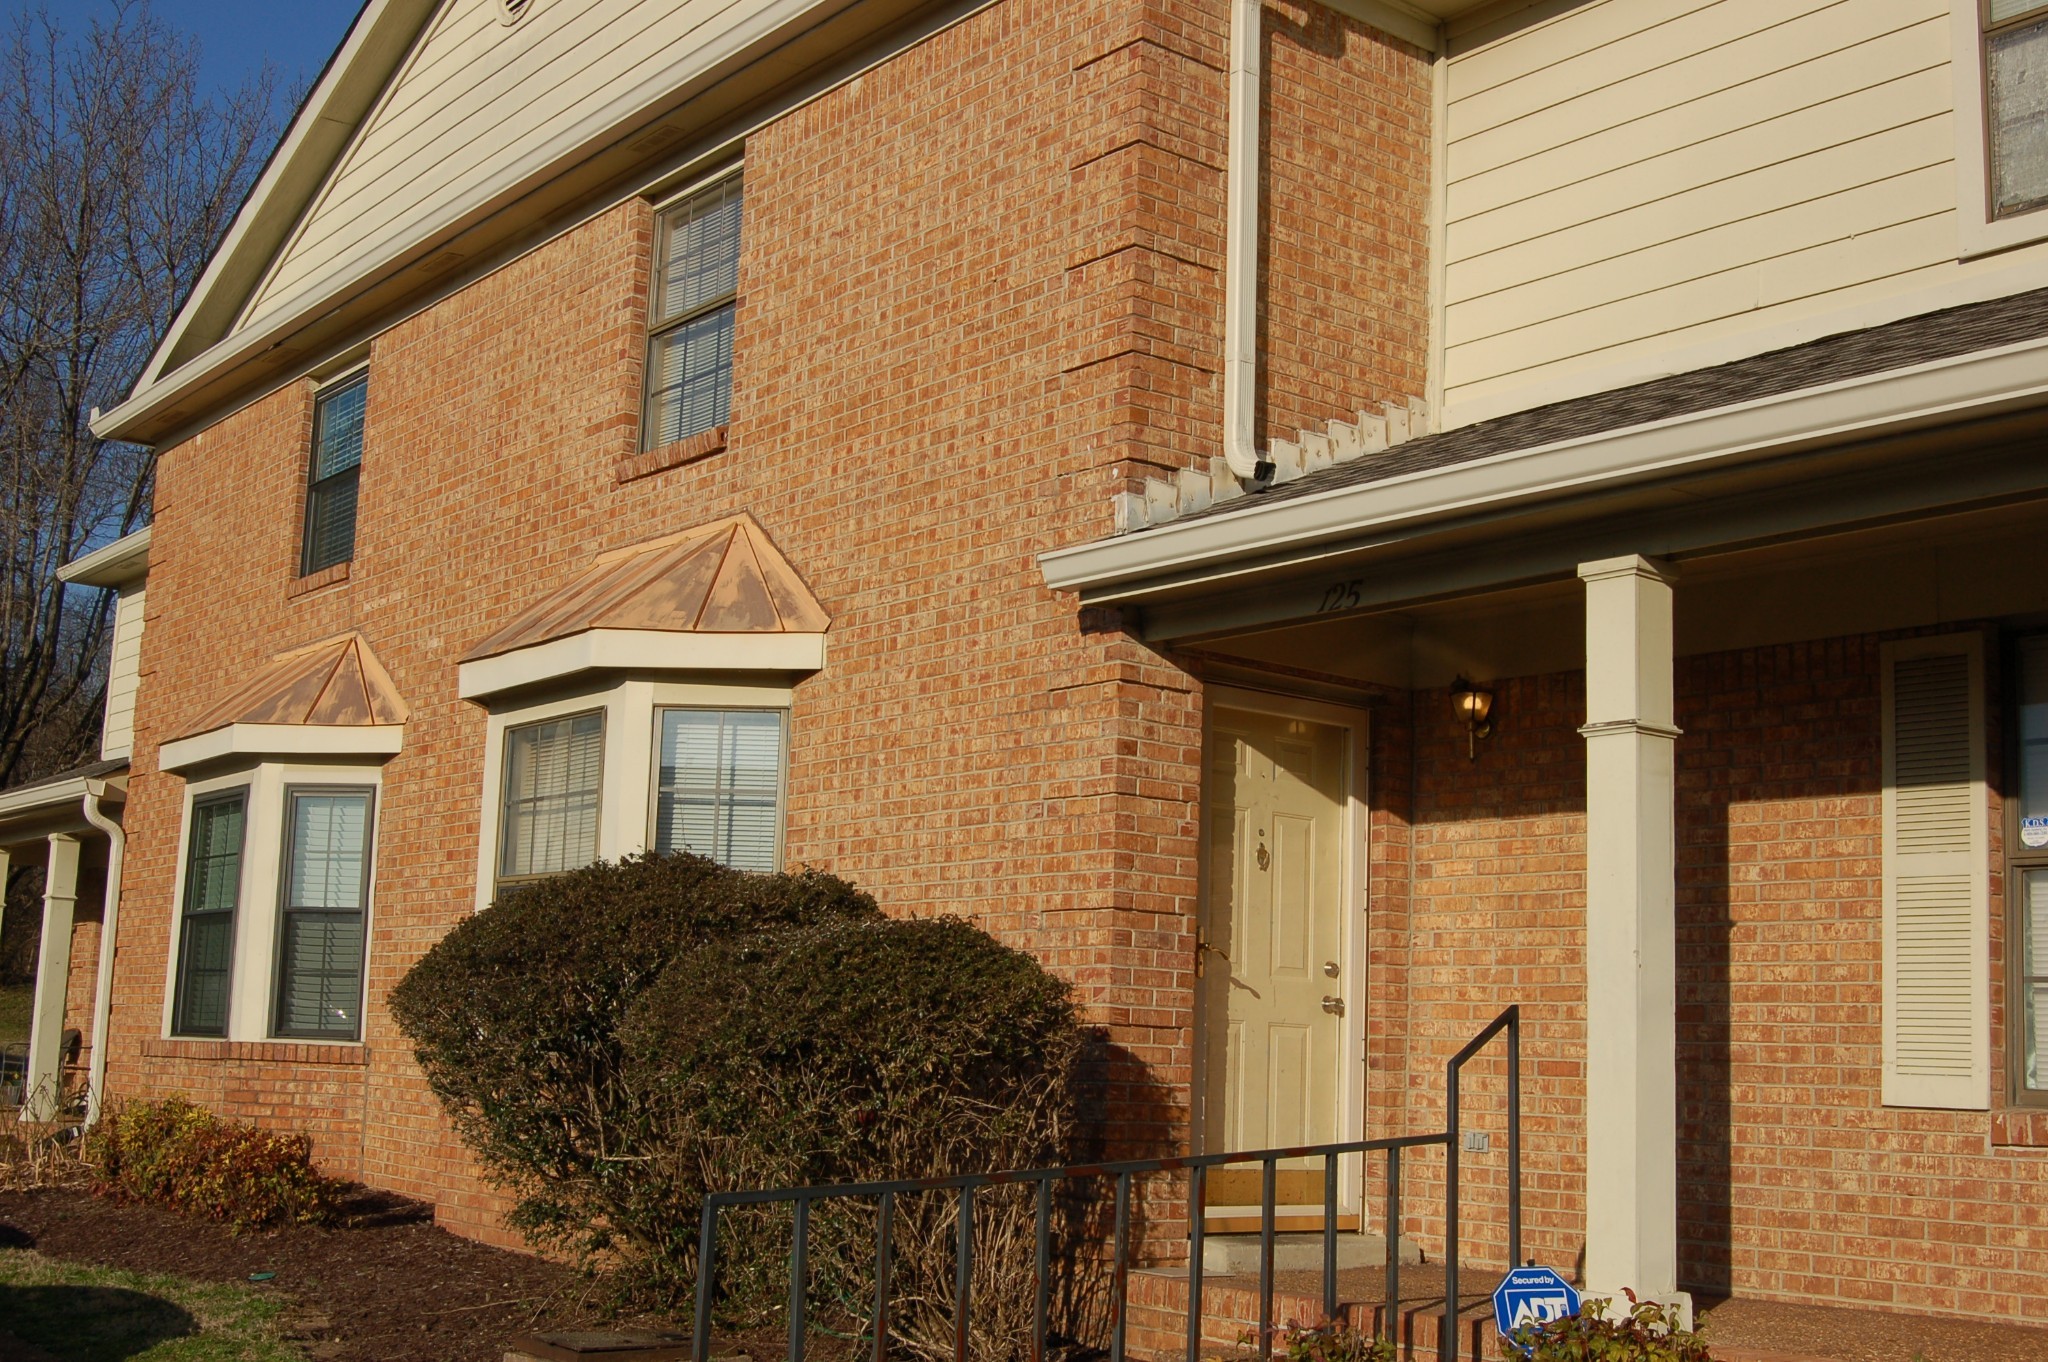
73, 1312
15, 1002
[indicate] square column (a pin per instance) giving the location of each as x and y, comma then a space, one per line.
1631, 950
42, 1094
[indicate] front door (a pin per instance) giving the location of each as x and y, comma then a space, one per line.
1272, 951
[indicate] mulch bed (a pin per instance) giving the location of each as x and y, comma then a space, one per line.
387, 1287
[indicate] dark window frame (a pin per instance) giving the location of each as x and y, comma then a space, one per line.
319, 489
181, 1024
663, 324
279, 1027
661, 711
2019, 860
500, 880
1989, 31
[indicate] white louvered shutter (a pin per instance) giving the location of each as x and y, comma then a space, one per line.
1937, 951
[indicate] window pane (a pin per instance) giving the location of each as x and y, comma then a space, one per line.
331, 521
2034, 985
551, 780
2016, 63
720, 786
2001, 10
213, 884
689, 377
700, 251
322, 967
333, 471
327, 850
338, 428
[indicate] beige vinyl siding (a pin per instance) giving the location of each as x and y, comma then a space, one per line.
1628, 178
117, 736
475, 97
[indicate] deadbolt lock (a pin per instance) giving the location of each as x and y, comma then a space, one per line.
1330, 968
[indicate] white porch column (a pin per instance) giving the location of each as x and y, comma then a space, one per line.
1631, 892
53, 976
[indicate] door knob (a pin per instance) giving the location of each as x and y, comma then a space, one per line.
1333, 1005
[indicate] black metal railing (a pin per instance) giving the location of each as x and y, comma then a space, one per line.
885, 1195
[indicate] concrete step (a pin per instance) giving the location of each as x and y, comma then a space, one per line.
1297, 1251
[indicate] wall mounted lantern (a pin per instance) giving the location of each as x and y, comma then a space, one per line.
1472, 705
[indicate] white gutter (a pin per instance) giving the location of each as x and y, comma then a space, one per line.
1962, 388
110, 923
1241, 246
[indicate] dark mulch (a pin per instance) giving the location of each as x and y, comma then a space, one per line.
389, 1286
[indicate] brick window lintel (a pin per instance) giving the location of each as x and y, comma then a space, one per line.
262, 1051
672, 455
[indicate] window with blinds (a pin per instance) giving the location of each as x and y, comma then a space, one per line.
718, 785
689, 347
334, 469
1936, 873
552, 778
2027, 849
206, 934
326, 902
2016, 93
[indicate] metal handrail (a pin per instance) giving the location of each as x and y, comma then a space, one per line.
884, 1193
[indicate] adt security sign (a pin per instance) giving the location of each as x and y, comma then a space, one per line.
1531, 1295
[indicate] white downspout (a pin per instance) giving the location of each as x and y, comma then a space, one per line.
103, 978
1241, 246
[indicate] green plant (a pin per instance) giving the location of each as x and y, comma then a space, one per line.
1329, 1342
181, 1155
1648, 1332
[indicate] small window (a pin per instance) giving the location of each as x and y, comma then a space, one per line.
213, 890
689, 347
552, 778
326, 899
2028, 883
2016, 103
333, 470
718, 785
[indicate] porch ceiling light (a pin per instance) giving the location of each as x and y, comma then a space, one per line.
1472, 705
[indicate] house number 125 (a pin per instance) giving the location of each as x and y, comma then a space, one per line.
1342, 596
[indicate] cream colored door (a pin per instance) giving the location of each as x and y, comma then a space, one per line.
1272, 951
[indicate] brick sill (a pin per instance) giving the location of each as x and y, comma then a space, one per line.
314, 581
2020, 1129
687, 450
266, 1051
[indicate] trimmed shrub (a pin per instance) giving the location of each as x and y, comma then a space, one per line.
514, 1017
856, 1052
1647, 1333
181, 1155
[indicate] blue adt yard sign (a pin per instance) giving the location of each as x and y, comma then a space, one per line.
1531, 1295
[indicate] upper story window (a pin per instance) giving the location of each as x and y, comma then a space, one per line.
690, 328
332, 471
2016, 103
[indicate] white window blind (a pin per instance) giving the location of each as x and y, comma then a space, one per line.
1937, 1018
213, 890
334, 472
320, 965
719, 786
552, 776
696, 280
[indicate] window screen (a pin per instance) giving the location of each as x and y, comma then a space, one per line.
326, 890
719, 786
551, 782
2016, 90
333, 471
206, 939
689, 353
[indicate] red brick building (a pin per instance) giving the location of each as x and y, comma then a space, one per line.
1057, 463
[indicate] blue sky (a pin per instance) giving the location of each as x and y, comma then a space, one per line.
237, 36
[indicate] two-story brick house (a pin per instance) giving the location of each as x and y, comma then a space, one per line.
1317, 520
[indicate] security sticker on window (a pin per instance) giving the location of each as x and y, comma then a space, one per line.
2034, 831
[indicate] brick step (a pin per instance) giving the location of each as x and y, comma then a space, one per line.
1156, 1318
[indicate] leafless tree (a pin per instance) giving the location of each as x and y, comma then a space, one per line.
118, 175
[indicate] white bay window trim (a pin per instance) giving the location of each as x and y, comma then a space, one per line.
627, 779
254, 969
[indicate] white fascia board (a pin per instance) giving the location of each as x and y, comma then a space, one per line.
259, 742
119, 563
638, 650
42, 798
1957, 389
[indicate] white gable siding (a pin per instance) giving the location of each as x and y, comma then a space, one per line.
474, 100
117, 735
1638, 186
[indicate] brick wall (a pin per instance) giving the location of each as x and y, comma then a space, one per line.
980, 291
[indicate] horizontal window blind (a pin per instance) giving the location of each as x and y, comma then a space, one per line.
334, 474
719, 788
320, 962
2033, 892
213, 887
2016, 87
696, 279
552, 777
690, 377
700, 251
1936, 1013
